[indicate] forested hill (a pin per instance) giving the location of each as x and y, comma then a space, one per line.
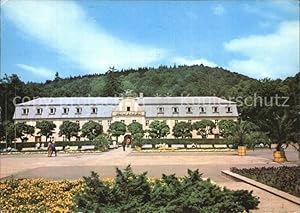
163, 81
189, 80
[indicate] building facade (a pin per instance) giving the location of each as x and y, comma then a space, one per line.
106, 110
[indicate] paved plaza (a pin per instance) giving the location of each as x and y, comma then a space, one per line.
76, 165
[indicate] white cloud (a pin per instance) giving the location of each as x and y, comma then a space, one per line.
218, 10
191, 61
64, 26
272, 55
40, 71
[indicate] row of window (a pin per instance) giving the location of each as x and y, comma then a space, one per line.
147, 122
94, 110
175, 110
52, 111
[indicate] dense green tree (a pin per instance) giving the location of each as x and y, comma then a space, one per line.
2, 132
91, 130
182, 130
225, 126
158, 129
240, 132
69, 129
11, 92
24, 130
280, 127
112, 85
204, 127
117, 129
46, 128
257, 138
56, 77
136, 130
9, 132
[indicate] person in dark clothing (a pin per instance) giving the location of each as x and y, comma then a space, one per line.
124, 145
128, 142
53, 149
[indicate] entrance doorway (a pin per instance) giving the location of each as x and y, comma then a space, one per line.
127, 139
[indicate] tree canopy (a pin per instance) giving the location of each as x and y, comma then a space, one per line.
46, 128
91, 130
23, 130
204, 127
158, 129
69, 129
182, 130
136, 130
240, 132
117, 129
225, 127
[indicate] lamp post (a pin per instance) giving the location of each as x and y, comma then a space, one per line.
6, 121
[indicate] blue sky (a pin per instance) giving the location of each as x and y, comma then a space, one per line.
256, 38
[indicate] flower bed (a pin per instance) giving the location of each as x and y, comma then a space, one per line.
283, 178
186, 141
126, 193
38, 195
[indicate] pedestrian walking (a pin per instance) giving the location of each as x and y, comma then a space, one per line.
53, 149
124, 145
49, 149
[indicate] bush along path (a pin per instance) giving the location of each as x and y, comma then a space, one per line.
284, 178
129, 192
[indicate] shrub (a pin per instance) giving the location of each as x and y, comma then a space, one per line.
57, 143
283, 178
101, 143
137, 142
184, 141
135, 193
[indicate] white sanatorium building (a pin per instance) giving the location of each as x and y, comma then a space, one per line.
106, 110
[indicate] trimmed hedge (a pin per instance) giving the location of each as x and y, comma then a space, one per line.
169, 142
155, 141
184, 141
284, 178
152, 141
57, 143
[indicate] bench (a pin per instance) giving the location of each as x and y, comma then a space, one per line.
112, 146
59, 148
161, 145
273, 146
220, 146
87, 147
206, 146
9, 149
178, 146
192, 146
29, 149
71, 148
147, 146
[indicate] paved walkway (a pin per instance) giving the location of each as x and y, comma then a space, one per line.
76, 165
